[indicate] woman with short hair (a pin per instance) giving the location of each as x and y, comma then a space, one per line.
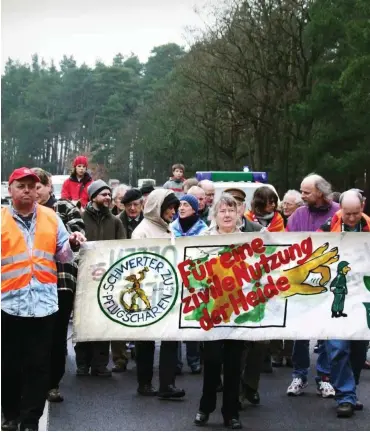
222, 352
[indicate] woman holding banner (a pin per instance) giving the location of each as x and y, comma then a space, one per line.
222, 352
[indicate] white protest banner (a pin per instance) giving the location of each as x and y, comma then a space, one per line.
248, 286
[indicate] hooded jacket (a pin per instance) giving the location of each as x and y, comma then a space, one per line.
75, 190
153, 226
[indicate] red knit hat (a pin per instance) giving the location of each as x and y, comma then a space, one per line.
80, 160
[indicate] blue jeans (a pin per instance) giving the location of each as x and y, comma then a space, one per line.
347, 359
192, 354
301, 360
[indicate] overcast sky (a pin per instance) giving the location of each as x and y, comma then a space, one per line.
92, 29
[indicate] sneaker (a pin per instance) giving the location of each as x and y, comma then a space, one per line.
170, 392
296, 387
83, 371
120, 368
345, 410
201, 418
325, 389
9, 425
104, 372
147, 390
55, 396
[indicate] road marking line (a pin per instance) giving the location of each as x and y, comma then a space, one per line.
44, 420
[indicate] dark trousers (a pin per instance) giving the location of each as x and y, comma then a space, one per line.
358, 357
192, 354
60, 334
167, 363
252, 363
119, 353
25, 366
94, 355
228, 353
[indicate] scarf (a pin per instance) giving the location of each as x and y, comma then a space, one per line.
188, 222
274, 222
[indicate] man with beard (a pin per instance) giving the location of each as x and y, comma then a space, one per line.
159, 211
132, 214
100, 224
319, 206
67, 280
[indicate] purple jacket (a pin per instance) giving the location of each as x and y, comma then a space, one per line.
304, 219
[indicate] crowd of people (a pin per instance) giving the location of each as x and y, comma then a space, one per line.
41, 237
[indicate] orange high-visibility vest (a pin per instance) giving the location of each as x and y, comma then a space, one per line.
336, 222
18, 263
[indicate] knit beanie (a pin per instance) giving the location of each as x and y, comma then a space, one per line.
80, 160
96, 187
192, 200
169, 200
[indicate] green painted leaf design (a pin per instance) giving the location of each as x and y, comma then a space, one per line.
255, 315
367, 282
367, 307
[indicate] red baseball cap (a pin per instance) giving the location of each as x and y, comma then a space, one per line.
20, 173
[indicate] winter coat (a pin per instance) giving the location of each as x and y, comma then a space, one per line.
196, 229
310, 219
153, 226
176, 186
129, 226
101, 225
75, 190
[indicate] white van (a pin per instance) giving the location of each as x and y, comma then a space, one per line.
247, 186
58, 181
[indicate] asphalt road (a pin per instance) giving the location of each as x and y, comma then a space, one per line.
93, 403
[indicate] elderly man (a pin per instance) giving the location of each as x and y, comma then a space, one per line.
291, 201
190, 182
117, 195
33, 238
347, 357
133, 204
316, 194
209, 189
203, 210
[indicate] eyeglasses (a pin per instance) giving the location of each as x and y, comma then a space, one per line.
210, 194
105, 194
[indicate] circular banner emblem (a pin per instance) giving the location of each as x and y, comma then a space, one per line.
138, 290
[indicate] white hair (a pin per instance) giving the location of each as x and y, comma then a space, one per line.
195, 189
226, 199
206, 183
321, 184
121, 188
295, 195
351, 195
